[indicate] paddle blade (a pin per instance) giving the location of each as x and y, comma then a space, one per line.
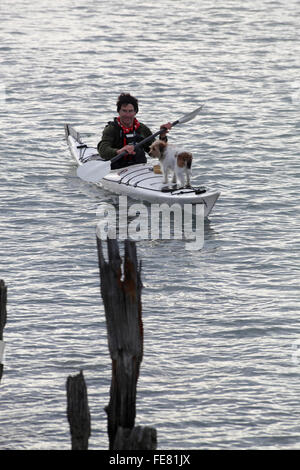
190, 116
93, 171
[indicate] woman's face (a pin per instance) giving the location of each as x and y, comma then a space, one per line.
127, 114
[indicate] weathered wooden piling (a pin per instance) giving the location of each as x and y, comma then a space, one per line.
121, 293
3, 315
78, 412
138, 438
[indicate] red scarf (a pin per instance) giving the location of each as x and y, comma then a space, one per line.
128, 130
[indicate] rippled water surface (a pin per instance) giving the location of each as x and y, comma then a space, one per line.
222, 329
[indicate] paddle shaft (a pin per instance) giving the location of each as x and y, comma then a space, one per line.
144, 141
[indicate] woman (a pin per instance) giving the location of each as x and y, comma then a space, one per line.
124, 132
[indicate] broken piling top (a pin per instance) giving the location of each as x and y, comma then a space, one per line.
121, 288
78, 412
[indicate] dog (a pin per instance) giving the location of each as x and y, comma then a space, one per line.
172, 159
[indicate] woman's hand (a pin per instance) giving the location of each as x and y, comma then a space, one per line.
165, 127
127, 148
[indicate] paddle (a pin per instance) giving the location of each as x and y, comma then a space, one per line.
95, 170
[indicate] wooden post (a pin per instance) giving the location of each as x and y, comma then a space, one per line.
78, 412
121, 293
3, 315
138, 438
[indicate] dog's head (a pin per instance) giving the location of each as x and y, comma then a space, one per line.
157, 149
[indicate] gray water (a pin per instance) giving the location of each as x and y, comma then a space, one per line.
222, 328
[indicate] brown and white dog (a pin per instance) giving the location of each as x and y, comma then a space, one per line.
172, 159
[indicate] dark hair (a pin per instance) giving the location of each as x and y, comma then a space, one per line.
126, 98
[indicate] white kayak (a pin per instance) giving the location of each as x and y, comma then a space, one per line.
140, 181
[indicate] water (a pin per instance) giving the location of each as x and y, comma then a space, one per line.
222, 330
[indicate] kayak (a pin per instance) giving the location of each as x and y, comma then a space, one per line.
143, 182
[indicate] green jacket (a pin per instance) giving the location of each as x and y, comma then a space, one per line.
111, 140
